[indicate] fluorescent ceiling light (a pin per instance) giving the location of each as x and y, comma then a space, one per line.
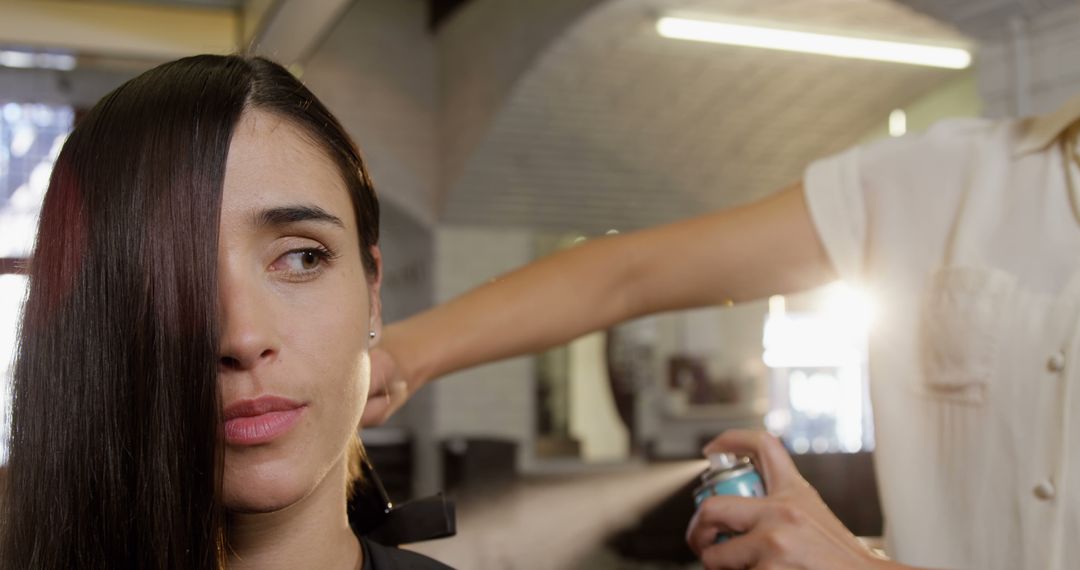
810, 42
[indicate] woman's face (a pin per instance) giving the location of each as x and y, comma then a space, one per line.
296, 309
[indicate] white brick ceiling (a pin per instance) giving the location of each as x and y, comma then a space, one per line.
616, 127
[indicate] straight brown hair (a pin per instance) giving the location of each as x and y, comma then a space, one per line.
115, 449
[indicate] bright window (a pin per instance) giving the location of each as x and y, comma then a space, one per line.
12, 293
31, 136
817, 361
30, 141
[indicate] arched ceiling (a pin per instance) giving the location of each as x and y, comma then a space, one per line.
614, 126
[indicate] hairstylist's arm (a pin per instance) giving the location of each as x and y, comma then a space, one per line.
738, 254
790, 528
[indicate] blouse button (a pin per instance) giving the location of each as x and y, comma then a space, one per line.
1056, 363
1044, 490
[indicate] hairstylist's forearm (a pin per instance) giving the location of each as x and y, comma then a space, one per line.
738, 255
543, 304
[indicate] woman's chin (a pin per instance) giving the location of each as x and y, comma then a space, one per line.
263, 490
258, 499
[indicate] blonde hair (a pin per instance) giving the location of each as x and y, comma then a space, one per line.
354, 464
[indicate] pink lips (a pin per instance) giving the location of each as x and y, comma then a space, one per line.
262, 420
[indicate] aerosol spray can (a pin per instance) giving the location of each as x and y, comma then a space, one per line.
729, 474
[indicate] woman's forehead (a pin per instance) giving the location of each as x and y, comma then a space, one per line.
272, 163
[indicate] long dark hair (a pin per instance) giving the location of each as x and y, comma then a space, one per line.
115, 454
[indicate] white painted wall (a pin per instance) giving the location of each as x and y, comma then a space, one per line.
496, 400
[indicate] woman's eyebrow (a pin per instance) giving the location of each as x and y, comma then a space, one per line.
285, 215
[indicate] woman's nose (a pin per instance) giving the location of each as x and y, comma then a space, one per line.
248, 335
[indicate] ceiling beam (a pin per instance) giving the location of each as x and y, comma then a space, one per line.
118, 30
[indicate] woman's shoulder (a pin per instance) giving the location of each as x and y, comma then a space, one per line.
379, 557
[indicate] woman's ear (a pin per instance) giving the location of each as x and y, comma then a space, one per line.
375, 296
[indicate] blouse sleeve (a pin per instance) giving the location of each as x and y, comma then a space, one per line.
893, 200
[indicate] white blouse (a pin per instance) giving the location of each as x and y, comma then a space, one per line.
969, 238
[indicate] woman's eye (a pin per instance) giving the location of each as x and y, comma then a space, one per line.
303, 261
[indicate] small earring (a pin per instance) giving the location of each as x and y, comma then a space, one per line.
371, 334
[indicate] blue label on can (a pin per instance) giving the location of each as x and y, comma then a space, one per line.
746, 484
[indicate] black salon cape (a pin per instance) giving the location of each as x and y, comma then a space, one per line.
379, 557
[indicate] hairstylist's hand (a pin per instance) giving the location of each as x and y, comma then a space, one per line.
389, 389
790, 528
